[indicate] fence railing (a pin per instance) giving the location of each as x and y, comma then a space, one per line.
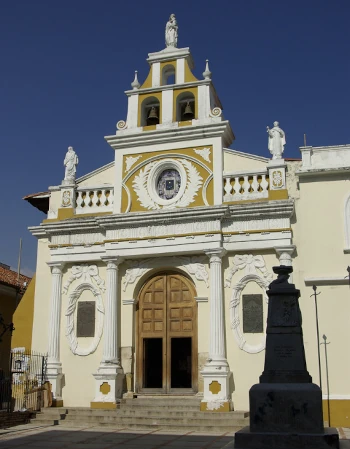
23, 385
96, 199
245, 186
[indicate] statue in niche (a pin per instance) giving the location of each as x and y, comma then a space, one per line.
171, 32
277, 140
70, 162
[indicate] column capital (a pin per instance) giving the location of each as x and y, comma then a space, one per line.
112, 261
56, 267
288, 249
215, 253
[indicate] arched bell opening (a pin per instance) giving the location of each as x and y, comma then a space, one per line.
150, 111
185, 107
168, 75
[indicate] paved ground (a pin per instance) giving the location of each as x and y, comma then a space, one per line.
32, 436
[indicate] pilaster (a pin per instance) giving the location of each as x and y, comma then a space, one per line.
216, 372
109, 376
54, 365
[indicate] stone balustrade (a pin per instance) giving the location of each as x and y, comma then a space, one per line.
240, 186
94, 199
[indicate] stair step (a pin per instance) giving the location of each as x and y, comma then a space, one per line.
170, 426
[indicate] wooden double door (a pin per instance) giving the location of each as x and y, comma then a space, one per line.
167, 354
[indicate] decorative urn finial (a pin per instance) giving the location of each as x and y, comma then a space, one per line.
207, 72
135, 84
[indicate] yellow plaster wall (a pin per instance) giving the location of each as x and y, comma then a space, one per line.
99, 179
41, 298
23, 319
135, 204
7, 308
339, 412
148, 80
189, 77
235, 162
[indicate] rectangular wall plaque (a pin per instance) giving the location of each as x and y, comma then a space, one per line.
86, 319
253, 314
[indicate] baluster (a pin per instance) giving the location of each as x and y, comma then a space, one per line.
245, 185
78, 200
263, 184
228, 186
103, 198
237, 185
111, 198
255, 184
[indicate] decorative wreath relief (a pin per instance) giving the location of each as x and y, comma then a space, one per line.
145, 183
70, 328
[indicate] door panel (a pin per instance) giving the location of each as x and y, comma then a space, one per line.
167, 310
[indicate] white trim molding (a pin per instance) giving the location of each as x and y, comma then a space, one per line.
327, 280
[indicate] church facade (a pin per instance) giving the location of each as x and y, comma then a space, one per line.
152, 271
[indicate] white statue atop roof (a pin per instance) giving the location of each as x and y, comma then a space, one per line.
277, 140
171, 32
70, 162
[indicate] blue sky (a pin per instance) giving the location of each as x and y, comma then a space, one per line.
65, 66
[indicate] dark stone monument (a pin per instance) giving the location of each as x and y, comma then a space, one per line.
285, 407
86, 319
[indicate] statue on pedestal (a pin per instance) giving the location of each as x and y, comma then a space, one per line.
277, 140
171, 32
70, 162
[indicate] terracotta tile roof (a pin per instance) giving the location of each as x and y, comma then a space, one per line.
39, 200
9, 277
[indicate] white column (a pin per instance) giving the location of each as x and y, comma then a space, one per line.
109, 376
111, 344
54, 366
216, 372
217, 350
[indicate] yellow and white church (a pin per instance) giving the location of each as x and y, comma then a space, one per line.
152, 270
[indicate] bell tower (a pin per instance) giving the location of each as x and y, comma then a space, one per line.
177, 118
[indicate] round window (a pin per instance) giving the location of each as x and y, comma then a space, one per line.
168, 184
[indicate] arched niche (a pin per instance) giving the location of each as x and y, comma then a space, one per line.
168, 75
185, 99
146, 107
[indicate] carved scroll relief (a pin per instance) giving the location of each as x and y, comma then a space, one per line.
192, 265
255, 270
90, 281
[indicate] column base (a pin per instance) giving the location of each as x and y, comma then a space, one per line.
55, 377
216, 393
108, 386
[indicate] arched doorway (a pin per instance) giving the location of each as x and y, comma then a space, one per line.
167, 354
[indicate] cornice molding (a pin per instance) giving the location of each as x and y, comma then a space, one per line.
159, 136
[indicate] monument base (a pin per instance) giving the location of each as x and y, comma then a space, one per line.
286, 416
245, 439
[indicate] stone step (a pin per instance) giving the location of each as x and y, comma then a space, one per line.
237, 414
140, 419
173, 426
203, 419
162, 401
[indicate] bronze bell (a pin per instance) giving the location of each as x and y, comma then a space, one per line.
188, 114
152, 118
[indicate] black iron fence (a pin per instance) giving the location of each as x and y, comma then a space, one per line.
22, 385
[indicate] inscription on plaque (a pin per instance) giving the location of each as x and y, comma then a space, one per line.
252, 314
86, 319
